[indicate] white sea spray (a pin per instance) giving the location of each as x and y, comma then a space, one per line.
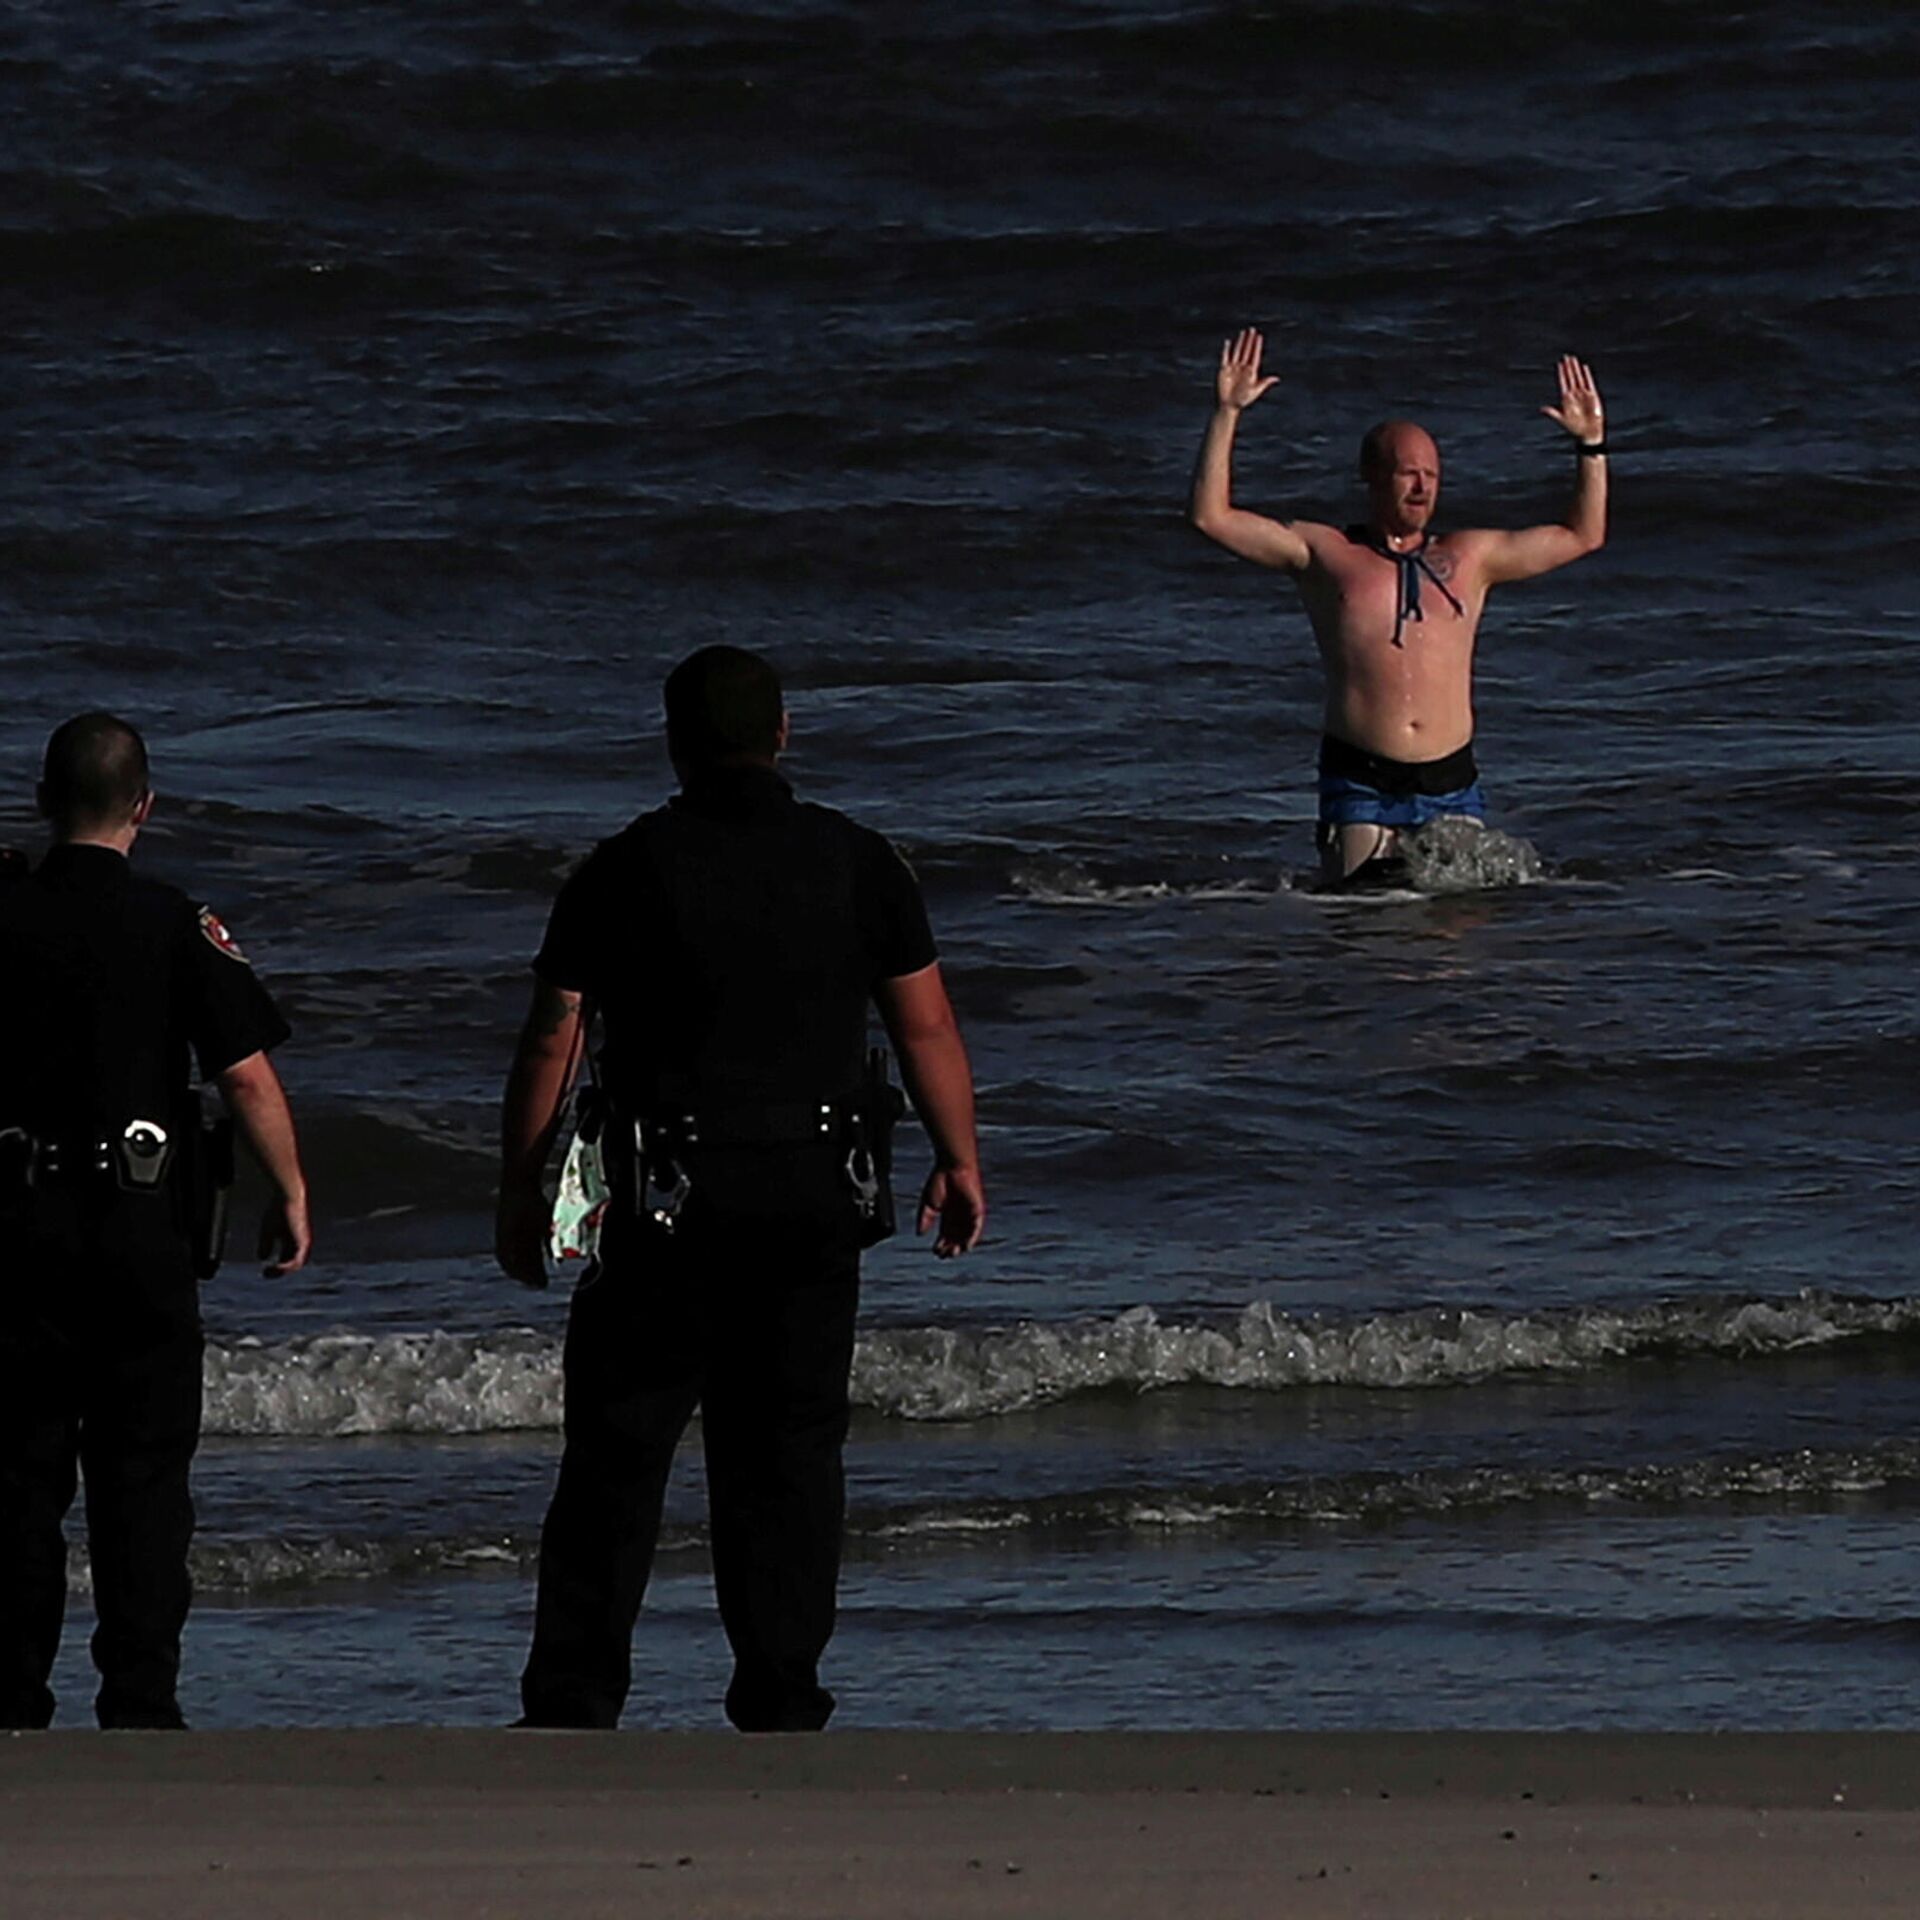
1460, 856
347, 1383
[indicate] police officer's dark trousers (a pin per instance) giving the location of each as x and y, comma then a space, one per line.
752, 1321
100, 1357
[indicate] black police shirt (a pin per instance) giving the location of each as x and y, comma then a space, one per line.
110, 985
732, 940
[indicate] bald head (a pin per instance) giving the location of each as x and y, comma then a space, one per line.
95, 778
1400, 465
1387, 442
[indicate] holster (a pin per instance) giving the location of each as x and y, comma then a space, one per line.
870, 1150
204, 1179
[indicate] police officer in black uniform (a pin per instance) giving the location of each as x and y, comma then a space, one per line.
109, 983
731, 942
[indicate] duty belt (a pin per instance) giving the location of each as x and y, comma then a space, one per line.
655, 1145
138, 1158
780, 1124
662, 1137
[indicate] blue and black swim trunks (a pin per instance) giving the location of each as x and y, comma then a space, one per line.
1358, 788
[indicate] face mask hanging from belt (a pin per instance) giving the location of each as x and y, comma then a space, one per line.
580, 1203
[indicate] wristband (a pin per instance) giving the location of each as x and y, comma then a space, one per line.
1590, 449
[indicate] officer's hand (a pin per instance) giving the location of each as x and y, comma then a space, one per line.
520, 1227
955, 1197
286, 1235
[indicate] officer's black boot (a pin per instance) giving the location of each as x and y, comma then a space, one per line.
762, 1702
29, 1712
120, 1716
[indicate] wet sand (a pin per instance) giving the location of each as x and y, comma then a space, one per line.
431, 1823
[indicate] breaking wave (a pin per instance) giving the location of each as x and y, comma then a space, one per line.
962, 1374
335, 1384
1138, 1513
339, 1384
1455, 1493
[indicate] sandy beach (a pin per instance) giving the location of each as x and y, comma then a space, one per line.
424, 1822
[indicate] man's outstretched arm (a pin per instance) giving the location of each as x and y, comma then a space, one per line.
544, 1064
933, 1062
1251, 535
1532, 551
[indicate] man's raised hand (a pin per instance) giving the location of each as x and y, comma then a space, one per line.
1239, 383
1579, 411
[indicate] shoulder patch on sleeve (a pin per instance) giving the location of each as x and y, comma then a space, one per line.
217, 936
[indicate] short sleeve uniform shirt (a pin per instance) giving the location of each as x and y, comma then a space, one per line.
732, 940
112, 987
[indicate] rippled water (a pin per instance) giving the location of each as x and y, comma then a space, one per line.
1495, 1306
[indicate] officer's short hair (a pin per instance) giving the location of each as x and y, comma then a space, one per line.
95, 771
723, 703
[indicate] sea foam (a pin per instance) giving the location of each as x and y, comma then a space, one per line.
346, 1383
1173, 1510
1460, 856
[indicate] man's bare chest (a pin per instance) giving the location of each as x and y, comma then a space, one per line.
1364, 594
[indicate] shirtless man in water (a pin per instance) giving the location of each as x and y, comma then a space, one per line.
1395, 607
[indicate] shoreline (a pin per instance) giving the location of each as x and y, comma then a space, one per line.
442, 1822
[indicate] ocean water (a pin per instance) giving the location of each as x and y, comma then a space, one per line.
1490, 1307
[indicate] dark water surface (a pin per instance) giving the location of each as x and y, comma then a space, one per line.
1491, 1308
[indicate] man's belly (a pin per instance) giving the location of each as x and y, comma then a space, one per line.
1406, 709
1429, 736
